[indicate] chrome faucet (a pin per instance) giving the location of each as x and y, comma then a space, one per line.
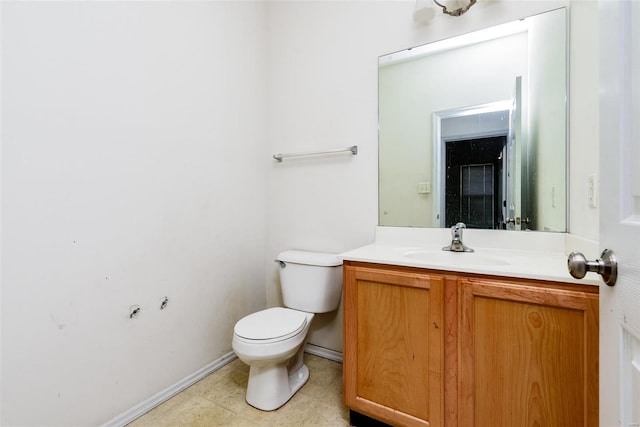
456, 239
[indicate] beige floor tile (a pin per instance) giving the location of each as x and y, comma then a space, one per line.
228, 394
193, 411
219, 400
320, 379
239, 421
200, 412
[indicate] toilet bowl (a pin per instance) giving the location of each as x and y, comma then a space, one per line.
272, 341
274, 350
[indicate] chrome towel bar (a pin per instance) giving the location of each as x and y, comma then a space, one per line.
353, 149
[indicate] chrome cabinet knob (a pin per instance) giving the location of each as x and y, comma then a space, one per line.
606, 266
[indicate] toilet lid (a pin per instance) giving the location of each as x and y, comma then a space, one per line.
272, 323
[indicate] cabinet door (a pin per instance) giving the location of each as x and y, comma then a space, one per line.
393, 345
528, 356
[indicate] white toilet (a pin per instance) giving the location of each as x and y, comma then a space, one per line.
272, 341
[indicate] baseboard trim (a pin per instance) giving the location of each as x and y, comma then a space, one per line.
155, 400
166, 394
316, 350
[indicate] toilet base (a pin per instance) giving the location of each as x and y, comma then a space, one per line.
272, 386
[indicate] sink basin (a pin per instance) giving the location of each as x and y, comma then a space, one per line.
455, 258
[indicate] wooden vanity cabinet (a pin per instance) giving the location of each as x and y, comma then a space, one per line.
430, 348
528, 355
393, 352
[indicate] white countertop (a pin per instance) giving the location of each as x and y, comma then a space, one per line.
528, 255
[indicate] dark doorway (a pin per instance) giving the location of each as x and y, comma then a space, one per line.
474, 177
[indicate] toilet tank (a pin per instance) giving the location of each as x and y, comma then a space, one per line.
310, 281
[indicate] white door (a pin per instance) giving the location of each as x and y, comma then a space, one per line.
620, 211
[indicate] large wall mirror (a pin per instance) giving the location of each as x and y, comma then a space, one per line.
474, 129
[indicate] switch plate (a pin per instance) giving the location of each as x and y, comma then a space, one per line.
424, 187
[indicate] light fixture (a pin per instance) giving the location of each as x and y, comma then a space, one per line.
424, 11
456, 12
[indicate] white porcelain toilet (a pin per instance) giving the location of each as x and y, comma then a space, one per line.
272, 341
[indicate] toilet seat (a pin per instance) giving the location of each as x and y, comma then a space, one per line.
271, 325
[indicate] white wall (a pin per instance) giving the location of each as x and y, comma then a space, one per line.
133, 165
323, 94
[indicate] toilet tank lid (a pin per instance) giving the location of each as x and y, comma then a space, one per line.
321, 259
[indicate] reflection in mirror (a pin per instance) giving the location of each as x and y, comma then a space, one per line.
473, 129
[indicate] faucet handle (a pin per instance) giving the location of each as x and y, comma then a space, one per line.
460, 225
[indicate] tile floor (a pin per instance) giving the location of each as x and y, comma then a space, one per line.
218, 400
